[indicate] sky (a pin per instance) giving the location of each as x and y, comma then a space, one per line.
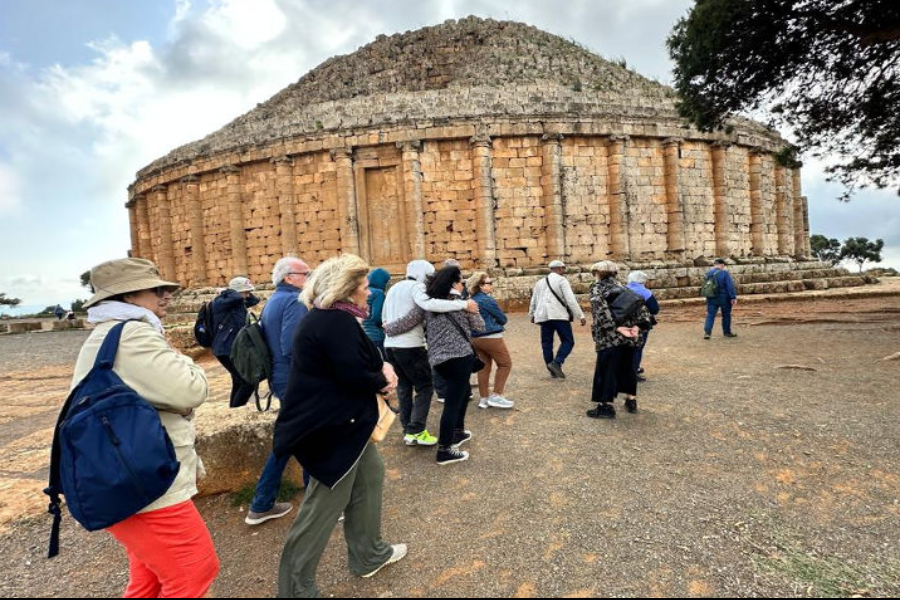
91, 91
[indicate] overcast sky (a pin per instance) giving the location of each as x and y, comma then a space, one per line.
93, 90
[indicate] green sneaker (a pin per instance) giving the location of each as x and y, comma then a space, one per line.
420, 439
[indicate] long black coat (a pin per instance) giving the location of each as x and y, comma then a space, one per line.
329, 411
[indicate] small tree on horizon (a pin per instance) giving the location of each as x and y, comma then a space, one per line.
860, 250
824, 249
5, 301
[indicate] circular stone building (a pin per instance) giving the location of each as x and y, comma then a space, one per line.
492, 142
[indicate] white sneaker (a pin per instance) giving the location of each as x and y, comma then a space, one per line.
483, 403
497, 401
441, 400
399, 552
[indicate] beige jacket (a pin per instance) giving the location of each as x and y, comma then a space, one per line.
169, 381
544, 305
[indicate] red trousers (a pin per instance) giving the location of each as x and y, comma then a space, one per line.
170, 553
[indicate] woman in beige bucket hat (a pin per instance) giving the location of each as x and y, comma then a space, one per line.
170, 551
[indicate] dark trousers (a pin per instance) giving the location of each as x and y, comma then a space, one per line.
456, 373
413, 373
567, 340
440, 386
639, 351
614, 374
712, 307
240, 389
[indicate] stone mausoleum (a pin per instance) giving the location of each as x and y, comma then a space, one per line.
492, 142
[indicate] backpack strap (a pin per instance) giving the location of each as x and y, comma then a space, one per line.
105, 359
560, 300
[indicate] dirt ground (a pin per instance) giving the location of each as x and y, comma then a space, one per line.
765, 465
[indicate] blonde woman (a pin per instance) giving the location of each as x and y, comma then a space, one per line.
489, 343
326, 419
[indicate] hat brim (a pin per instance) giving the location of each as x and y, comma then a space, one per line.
126, 287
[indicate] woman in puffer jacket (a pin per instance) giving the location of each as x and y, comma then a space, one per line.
615, 344
170, 552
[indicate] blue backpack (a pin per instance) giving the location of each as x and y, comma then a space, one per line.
111, 455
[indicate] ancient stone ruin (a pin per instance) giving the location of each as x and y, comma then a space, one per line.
492, 142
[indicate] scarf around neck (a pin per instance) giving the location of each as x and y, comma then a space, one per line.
348, 307
112, 310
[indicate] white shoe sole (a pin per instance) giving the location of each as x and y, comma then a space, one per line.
394, 558
250, 521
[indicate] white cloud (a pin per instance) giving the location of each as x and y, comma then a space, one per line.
10, 190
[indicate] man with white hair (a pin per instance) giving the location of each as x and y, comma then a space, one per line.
637, 282
281, 316
406, 352
554, 307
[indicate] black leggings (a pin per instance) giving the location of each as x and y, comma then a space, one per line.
456, 373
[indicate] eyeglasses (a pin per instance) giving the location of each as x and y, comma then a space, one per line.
296, 273
160, 291
486, 282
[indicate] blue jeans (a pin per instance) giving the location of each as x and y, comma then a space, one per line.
567, 340
712, 307
270, 482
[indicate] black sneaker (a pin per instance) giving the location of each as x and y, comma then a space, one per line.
731, 335
641, 378
549, 370
631, 405
640, 370
556, 369
706, 336
460, 437
446, 456
603, 411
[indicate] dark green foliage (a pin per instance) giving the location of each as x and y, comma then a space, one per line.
860, 250
828, 69
4, 301
824, 249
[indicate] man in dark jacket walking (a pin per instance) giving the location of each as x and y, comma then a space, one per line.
725, 299
229, 315
280, 319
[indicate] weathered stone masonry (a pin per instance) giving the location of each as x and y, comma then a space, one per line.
498, 144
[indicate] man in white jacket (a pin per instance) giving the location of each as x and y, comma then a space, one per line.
554, 307
407, 354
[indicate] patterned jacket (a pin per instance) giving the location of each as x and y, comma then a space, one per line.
604, 326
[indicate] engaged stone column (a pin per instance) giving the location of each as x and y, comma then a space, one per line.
198, 243
720, 199
785, 210
143, 218
551, 186
236, 220
133, 223
166, 252
346, 193
412, 181
675, 241
619, 241
483, 182
284, 190
807, 245
801, 240
758, 223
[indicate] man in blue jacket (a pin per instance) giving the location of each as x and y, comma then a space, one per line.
281, 316
725, 299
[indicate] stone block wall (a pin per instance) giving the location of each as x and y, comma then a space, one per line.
520, 214
316, 207
448, 202
645, 189
263, 226
584, 188
695, 178
737, 190
216, 234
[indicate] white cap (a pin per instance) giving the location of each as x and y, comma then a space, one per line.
557, 264
241, 284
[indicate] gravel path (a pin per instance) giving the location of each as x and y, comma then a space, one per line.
743, 474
